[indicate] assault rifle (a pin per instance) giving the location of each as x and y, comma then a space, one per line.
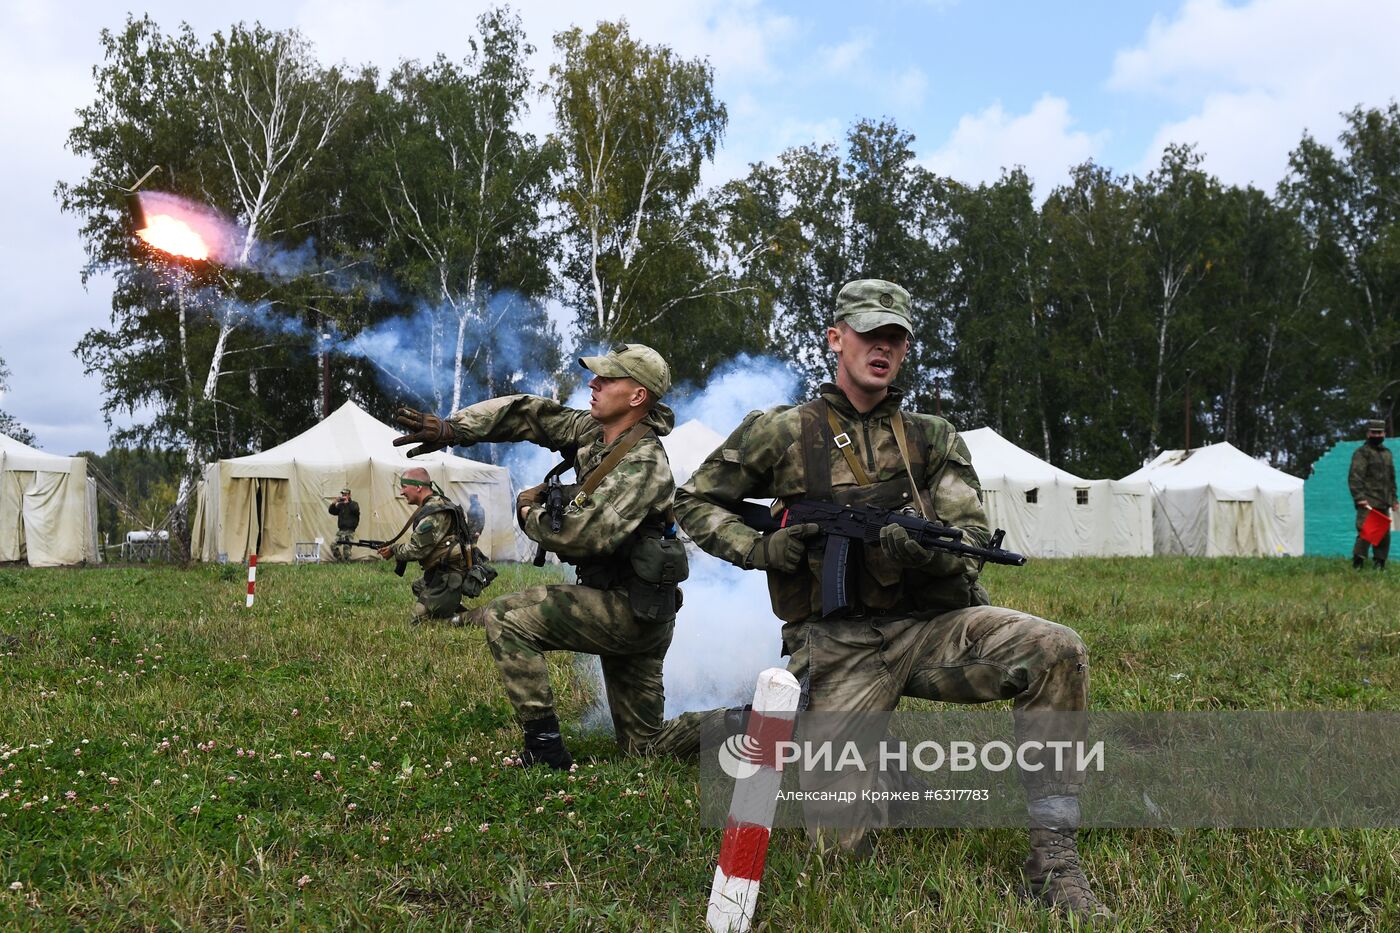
554, 503
372, 544
842, 524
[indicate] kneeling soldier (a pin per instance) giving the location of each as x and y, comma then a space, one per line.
452, 567
920, 624
614, 527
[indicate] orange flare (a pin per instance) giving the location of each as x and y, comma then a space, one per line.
172, 235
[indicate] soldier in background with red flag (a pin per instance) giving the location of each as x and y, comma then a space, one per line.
1372, 483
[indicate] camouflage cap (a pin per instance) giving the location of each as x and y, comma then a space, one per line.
345, 491
636, 360
1375, 424
866, 304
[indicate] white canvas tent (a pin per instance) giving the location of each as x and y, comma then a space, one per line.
48, 507
1218, 501
688, 446
267, 502
1050, 512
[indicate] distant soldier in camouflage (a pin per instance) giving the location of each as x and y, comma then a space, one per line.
615, 530
450, 568
921, 625
1372, 483
347, 519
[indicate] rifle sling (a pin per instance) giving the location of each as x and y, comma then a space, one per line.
624, 446
901, 439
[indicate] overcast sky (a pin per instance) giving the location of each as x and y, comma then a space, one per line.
981, 85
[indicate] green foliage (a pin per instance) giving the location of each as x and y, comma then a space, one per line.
458, 192
145, 479
642, 256
318, 762
820, 218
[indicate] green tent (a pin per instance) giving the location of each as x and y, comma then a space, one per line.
1328, 509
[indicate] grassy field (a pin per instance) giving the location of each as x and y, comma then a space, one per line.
169, 760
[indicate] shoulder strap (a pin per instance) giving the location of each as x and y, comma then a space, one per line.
844, 444
407, 525
816, 464
624, 446
902, 441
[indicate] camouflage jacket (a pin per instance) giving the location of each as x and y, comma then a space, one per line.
639, 489
765, 457
432, 533
1372, 475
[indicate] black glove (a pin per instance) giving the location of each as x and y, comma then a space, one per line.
784, 550
903, 550
429, 432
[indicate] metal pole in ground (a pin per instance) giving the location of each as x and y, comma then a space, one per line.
252, 576
751, 760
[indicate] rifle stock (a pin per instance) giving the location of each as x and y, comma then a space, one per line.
842, 524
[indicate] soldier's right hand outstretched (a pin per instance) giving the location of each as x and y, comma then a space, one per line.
784, 550
429, 432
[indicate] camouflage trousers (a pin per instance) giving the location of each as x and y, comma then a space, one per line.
521, 627
1359, 549
341, 550
972, 655
439, 593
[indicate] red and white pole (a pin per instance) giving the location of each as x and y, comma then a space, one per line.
734, 894
252, 577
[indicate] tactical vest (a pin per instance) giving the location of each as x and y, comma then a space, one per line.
882, 586
453, 551
650, 564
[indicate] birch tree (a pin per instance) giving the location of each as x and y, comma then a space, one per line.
242, 123
459, 189
1174, 203
636, 124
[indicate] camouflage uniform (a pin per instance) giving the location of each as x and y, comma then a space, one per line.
594, 616
1371, 479
924, 633
435, 545
922, 629
347, 519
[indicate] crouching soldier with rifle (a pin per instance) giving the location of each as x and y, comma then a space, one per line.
873, 552
614, 527
452, 568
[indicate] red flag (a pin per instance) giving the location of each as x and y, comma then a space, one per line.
1375, 528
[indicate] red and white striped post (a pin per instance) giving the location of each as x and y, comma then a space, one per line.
734, 894
252, 577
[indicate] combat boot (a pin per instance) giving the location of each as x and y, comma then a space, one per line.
1379, 563
1357, 563
544, 744
1054, 877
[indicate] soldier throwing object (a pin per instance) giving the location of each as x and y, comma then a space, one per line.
614, 530
347, 519
921, 624
1372, 483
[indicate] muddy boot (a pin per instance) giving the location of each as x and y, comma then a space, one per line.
1052, 871
544, 744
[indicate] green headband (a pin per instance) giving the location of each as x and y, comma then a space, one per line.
404, 481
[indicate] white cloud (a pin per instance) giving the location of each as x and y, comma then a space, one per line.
1256, 76
1041, 140
847, 56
